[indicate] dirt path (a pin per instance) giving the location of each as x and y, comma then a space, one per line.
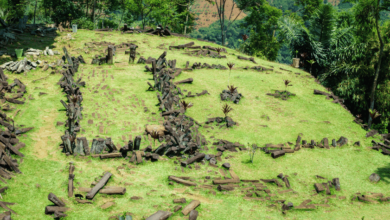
47, 137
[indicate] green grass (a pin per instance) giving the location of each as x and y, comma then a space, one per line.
45, 165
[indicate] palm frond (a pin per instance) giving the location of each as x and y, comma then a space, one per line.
230, 65
342, 37
226, 109
232, 88
374, 113
290, 29
186, 105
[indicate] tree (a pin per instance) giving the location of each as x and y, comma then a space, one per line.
165, 14
185, 10
309, 7
12, 10
63, 10
222, 16
122, 6
213, 33
322, 24
144, 8
367, 14
263, 22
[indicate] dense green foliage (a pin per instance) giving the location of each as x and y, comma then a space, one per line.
262, 19
346, 48
213, 33
62, 10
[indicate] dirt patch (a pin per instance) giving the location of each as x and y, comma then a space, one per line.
121, 64
180, 190
43, 144
203, 199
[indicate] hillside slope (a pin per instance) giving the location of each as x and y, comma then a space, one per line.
262, 119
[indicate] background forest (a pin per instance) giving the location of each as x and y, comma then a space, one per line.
345, 45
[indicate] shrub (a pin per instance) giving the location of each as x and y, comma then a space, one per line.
83, 23
109, 23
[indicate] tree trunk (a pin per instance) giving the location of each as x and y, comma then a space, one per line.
185, 26
86, 12
35, 10
93, 12
222, 33
98, 186
110, 57
372, 99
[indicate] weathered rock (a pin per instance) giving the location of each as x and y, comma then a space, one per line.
193, 204
374, 178
371, 133
226, 165
181, 200
193, 215
342, 141
277, 154
159, 215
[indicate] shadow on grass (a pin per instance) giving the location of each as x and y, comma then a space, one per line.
6, 58
384, 173
247, 161
25, 41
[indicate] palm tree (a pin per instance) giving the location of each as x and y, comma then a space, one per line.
226, 109
311, 64
155, 136
373, 114
232, 88
286, 83
218, 49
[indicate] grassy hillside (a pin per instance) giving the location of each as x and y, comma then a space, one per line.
120, 106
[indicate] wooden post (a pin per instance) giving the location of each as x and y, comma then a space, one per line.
113, 191
198, 157
70, 185
98, 186
132, 53
67, 56
71, 178
193, 204
51, 209
179, 180
137, 143
110, 55
110, 155
154, 69
53, 198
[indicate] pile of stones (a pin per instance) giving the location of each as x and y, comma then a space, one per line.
284, 95
229, 121
229, 95
22, 66
160, 31
46, 52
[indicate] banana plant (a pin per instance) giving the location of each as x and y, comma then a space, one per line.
311, 64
